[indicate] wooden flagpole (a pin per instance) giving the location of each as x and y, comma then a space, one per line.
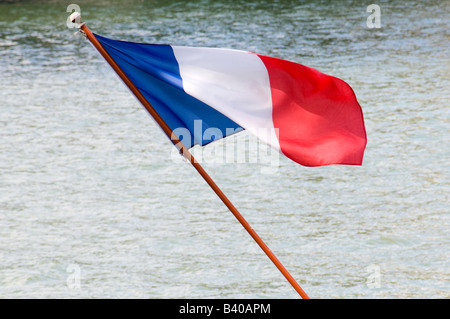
75, 17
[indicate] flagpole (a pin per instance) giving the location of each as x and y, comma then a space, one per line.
75, 17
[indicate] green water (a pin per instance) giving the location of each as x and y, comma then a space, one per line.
94, 202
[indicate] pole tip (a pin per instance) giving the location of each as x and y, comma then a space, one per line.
75, 17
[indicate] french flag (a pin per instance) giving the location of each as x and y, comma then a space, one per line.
310, 117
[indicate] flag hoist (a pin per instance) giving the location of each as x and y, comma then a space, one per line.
315, 118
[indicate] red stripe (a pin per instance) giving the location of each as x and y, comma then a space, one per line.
318, 118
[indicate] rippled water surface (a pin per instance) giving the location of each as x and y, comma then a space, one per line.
95, 203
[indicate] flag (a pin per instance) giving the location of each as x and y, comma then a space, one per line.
205, 94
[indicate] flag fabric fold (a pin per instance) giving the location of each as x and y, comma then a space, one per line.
205, 94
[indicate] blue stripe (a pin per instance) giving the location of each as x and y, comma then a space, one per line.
154, 70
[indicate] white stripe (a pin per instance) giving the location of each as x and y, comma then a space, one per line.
235, 83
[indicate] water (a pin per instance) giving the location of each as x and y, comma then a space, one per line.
94, 203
